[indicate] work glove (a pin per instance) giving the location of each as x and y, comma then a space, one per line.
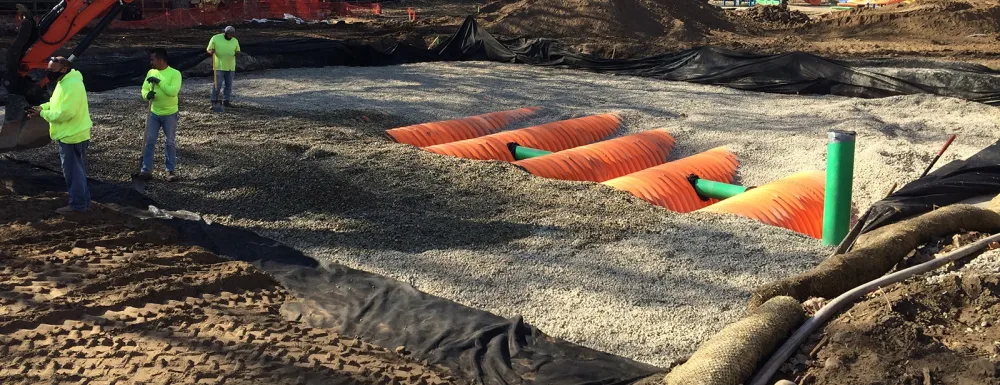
32, 112
153, 80
151, 95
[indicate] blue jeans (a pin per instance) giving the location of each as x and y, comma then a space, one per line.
74, 164
153, 125
223, 77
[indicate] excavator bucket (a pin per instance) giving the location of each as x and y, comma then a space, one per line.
19, 132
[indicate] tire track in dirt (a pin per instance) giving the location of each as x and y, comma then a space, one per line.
106, 298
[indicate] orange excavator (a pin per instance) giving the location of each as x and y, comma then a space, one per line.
29, 55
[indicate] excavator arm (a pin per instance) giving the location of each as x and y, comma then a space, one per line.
35, 43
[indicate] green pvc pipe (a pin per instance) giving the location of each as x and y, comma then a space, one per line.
839, 181
521, 152
717, 190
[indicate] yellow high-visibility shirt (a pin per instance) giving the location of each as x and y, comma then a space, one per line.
225, 52
165, 101
67, 111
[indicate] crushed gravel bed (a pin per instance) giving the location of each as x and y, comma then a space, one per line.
305, 161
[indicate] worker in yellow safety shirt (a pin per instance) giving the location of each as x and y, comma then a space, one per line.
69, 126
160, 88
224, 49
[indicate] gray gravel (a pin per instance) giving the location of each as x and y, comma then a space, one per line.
988, 262
304, 161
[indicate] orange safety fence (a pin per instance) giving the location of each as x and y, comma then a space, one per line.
868, 3
605, 160
794, 202
447, 131
344, 8
667, 185
555, 136
242, 11
191, 17
304, 9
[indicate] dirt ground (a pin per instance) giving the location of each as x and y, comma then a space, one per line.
957, 30
938, 328
640, 19
944, 333
107, 298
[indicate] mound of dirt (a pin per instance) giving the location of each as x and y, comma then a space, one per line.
771, 17
933, 19
940, 328
107, 298
679, 19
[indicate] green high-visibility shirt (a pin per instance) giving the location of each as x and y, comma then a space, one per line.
225, 52
165, 100
67, 111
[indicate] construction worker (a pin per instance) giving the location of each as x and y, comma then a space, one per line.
69, 126
160, 88
224, 49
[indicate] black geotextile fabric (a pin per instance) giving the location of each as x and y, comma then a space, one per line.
478, 346
952, 183
789, 73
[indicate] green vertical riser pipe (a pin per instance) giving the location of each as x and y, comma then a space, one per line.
839, 183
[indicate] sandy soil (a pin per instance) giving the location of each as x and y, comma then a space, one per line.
644, 19
106, 298
959, 30
305, 161
938, 328
965, 30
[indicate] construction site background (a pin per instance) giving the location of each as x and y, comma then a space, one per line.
169, 14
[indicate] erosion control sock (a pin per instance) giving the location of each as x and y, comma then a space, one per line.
839, 179
732, 354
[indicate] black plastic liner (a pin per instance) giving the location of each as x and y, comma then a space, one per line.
480, 347
790, 73
952, 183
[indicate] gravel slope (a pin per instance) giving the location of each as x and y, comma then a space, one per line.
305, 162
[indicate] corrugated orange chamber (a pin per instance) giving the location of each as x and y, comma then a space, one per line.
555, 136
447, 131
794, 202
605, 160
667, 185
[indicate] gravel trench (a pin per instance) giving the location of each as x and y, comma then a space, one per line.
305, 161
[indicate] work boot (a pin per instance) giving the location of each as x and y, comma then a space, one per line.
143, 175
67, 210
172, 177
228, 104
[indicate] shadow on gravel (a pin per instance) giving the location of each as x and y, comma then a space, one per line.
379, 99
405, 219
483, 348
